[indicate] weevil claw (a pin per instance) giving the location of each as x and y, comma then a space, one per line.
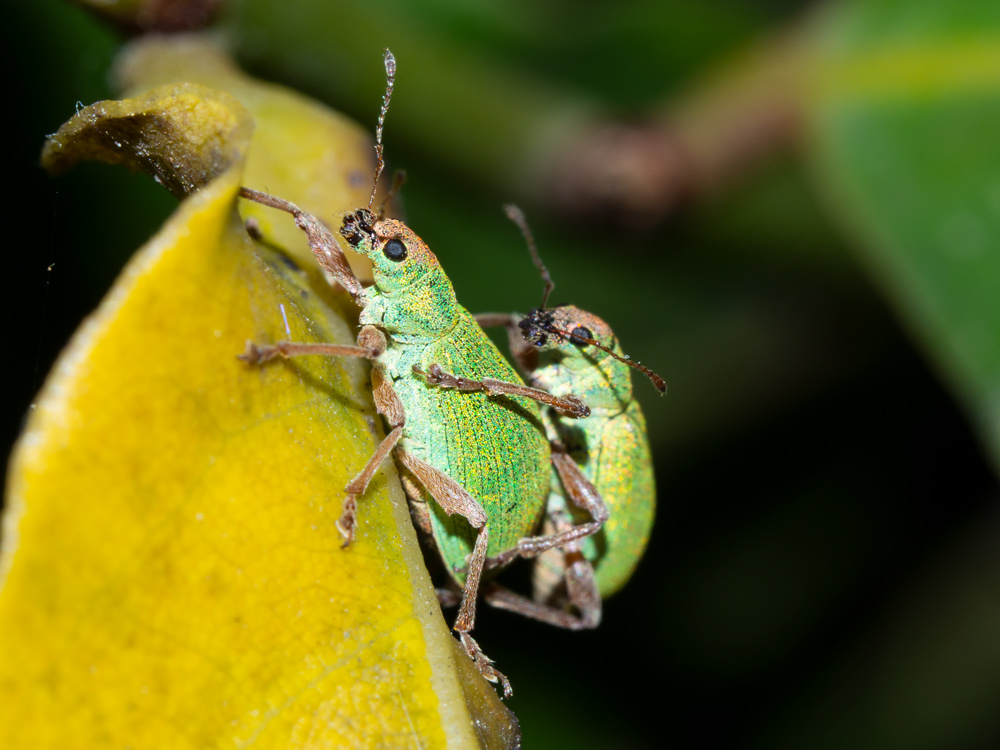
252, 355
484, 663
575, 407
345, 524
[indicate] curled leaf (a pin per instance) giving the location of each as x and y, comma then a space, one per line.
302, 150
183, 134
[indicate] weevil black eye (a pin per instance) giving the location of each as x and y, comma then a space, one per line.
578, 334
394, 250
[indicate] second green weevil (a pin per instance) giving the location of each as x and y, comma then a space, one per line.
566, 350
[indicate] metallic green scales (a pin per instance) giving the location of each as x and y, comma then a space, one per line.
610, 446
495, 447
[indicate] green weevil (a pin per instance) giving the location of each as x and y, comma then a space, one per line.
477, 464
567, 350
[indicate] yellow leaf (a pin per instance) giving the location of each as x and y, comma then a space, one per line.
171, 573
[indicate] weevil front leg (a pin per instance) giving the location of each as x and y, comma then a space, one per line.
568, 406
321, 240
453, 498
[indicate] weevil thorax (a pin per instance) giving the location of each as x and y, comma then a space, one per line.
569, 365
412, 297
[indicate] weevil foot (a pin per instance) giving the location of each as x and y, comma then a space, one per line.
484, 664
253, 355
346, 522
256, 355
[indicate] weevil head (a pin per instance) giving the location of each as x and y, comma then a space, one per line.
416, 294
568, 361
400, 258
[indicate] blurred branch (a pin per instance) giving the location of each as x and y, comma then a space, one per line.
141, 16
700, 140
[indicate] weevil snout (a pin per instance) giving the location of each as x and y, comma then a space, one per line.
358, 225
536, 325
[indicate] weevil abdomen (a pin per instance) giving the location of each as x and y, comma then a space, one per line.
492, 446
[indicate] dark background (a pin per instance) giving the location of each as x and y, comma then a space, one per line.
823, 504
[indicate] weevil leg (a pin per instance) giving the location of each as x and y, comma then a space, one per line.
321, 240
484, 663
419, 512
577, 577
522, 350
256, 355
453, 498
358, 485
371, 344
497, 320
582, 593
568, 406
388, 405
581, 493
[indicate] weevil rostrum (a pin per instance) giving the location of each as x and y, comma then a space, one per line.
478, 463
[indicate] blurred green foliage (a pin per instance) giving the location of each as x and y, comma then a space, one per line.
823, 570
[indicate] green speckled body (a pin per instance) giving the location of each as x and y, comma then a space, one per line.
610, 446
496, 448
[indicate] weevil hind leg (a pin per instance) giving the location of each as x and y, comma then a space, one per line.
581, 593
484, 663
453, 498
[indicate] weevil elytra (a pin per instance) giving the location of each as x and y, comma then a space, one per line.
478, 463
567, 350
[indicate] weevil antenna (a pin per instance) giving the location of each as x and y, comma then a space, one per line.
659, 383
390, 79
516, 215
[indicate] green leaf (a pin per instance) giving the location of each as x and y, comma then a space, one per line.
905, 115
